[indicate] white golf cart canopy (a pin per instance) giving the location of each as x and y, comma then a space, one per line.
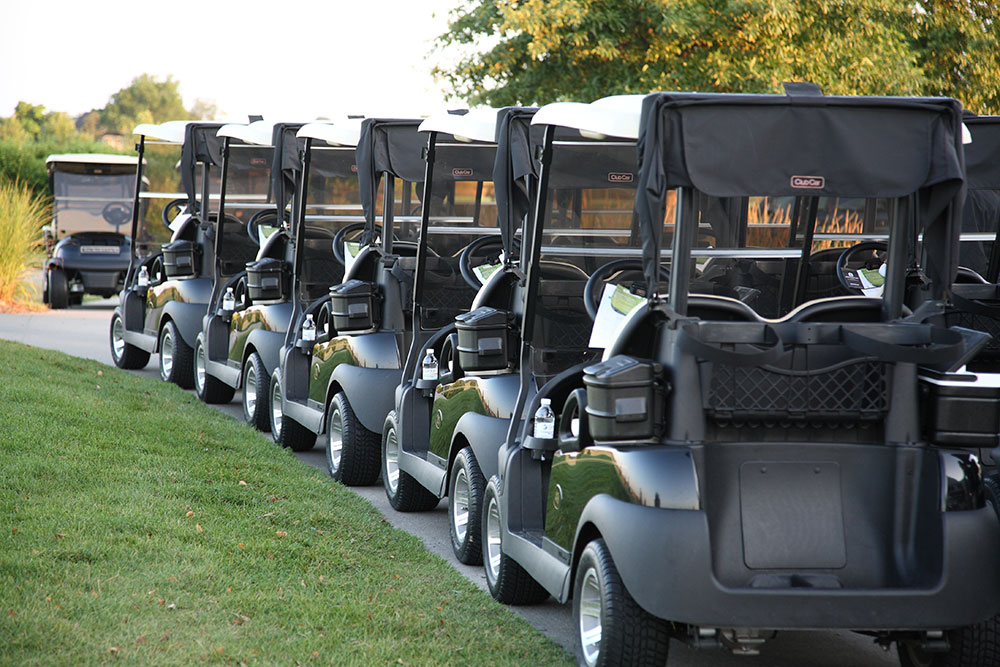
615, 116
258, 132
90, 158
476, 125
172, 130
340, 132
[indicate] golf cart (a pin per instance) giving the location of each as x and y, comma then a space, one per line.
326, 214
452, 406
165, 293
721, 475
92, 198
248, 311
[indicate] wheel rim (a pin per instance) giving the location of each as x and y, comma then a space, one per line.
460, 505
493, 540
335, 444
276, 406
200, 367
250, 391
166, 355
590, 616
392, 460
118, 338
917, 657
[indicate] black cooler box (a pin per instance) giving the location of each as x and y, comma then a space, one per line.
624, 399
482, 339
180, 259
960, 409
353, 305
266, 279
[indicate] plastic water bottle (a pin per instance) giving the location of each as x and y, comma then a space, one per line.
143, 278
545, 420
429, 366
309, 329
229, 300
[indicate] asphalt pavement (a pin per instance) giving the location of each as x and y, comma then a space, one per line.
83, 332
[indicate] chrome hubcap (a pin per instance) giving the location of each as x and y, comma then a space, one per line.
199, 367
392, 460
590, 616
250, 390
335, 444
493, 540
276, 406
166, 355
118, 338
460, 505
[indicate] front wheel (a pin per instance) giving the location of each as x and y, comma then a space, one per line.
57, 289
286, 431
972, 646
465, 508
507, 581
176, 357
256, 411
209, 388
405, 493
352, 451
123, 354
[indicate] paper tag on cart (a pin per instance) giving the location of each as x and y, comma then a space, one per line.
872, 281
613, 309
484, 271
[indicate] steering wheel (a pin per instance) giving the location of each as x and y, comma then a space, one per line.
175, 206
485, 247
256, 220
341, 237
117, 214
591, 298
850, 278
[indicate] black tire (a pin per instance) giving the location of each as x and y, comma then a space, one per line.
972, 646
208, 388
991, 485
57, 288
286, 431
176, 357
614, 629
507, 581
352, 451
405, 493
256, 394
465, 508
123, 354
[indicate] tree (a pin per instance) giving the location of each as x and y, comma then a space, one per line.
547, 50
204, 109
31, 122
145, 100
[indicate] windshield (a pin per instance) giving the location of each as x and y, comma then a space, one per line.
92, 198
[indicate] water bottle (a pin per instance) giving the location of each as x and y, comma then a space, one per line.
545, 421
429, 367
309, 329
143, 279
229, 300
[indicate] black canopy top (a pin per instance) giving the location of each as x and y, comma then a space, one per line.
201, 146
387, 146
741, 145
982, 156
282, 173
456, 160
514, 170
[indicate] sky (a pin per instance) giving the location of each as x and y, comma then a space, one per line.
284, 60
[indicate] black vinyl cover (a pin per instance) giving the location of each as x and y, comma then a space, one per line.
201, 145
982, 202
738, 145
282, 174
387, 146
514, 170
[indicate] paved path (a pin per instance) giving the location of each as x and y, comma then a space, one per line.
83, 332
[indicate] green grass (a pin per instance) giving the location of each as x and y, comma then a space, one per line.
139, 524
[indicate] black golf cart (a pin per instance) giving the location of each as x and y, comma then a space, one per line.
326, 216
87, 242
454, 401
248, 311
751, 455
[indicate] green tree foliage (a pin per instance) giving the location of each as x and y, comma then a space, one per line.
31, 122
545, 50
145, 100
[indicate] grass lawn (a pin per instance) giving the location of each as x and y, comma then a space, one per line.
138, 524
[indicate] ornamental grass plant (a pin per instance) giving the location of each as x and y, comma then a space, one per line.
22, 215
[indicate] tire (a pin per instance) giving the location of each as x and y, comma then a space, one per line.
352, 451
209, 388
176, 357
123, 354
465, 508
286, 431
991, 485
256, 407
57, 288
612, 629
972, 646
507, 581
405, 493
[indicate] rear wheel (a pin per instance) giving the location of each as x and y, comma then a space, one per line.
176, 357
508, 582
612, 629
57, 289
123, 354
352, 451
405, 493
209, 389
286, 431
465, 508
256, 410
972, 646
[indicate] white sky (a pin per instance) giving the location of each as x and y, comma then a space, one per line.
292, 59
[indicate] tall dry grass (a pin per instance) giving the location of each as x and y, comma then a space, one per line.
22, 215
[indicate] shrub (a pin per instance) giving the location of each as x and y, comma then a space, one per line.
22, 214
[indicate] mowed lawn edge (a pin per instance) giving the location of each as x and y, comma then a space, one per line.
138, 524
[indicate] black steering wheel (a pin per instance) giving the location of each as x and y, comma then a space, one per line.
117, 214
486, 248
341, 237
591, 298
850, 278
172, 210
256, 220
